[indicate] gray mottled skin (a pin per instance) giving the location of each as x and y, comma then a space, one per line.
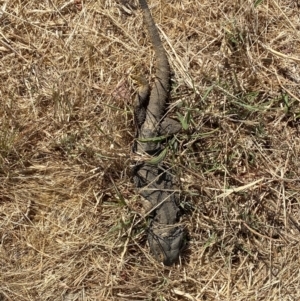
160, 90
166, 237
155, 183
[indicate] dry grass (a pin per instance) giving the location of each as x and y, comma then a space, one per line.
67, 204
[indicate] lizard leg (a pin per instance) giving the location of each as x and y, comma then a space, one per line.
169, 126
141, 100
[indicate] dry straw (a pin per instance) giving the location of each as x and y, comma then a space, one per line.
68, 209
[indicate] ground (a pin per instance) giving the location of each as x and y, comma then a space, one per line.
71, 223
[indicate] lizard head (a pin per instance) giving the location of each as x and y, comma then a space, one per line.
166, 244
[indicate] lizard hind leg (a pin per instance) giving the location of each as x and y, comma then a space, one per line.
141, 100
170, 126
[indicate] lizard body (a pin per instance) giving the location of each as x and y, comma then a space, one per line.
155, 183
166, 237
161, 86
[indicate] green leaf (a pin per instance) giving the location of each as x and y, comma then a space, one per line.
119, 194
154, 139
207, 92
185, 120
257, 2
158, 159
119, 226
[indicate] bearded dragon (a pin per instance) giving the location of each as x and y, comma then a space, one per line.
155, 182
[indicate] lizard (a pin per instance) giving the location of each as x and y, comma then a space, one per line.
160, 90
155, 182
167, 126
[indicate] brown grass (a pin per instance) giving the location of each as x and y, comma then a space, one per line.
68, 209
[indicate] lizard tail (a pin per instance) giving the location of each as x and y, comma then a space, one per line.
162, 63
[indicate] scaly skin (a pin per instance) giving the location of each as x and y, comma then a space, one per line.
166, 237
167, 126
161, 87
155, 183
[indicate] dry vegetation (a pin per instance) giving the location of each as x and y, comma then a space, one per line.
68, 211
